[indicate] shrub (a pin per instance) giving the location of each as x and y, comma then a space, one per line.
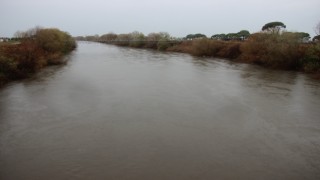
254, 48
273, 50
136, 39
54, 40
230, 50
163, 44
183, 47
205, 47
8, 69
311, 61
37, 49
123, 40
153, 41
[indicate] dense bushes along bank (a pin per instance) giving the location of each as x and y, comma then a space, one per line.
281, 51
35, 49
286, 50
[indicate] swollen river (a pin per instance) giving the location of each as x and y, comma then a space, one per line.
121, 113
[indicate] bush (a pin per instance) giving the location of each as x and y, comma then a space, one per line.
205, 47
8, 69
54, 40
163, 44
311, 61
183, 47
254, 48
216, 48
37, 49
273, 50
136, 39
230, 50
123, 40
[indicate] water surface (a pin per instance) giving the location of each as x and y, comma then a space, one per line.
121, 113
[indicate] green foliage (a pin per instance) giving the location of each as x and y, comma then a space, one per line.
163, 42
160, 41
303, 35
311, 61
243, 34
54, 40
219, 36
232, 36
195, 36
297, 36
273, 27
136, 39
285, 50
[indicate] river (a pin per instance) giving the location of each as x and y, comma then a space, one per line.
122, 113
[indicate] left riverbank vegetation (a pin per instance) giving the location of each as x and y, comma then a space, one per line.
272, 47
32, 50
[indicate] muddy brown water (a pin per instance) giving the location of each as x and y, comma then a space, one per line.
121, 113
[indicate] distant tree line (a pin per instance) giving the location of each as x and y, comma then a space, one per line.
160, 41
138, 39
241, 35
194, 36
271, 28
273, 46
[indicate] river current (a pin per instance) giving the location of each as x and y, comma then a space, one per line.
122, 113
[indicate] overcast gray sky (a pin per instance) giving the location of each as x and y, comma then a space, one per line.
177, 17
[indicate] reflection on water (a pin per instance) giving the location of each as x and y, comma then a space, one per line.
121, 113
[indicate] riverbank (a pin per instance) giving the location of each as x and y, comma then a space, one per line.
284, 51
124, 113
284, 56
37, 48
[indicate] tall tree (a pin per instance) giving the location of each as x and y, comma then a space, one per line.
195, 36
243, 34
273, 27
232, 36
303, 36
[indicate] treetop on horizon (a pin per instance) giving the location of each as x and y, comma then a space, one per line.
273, 27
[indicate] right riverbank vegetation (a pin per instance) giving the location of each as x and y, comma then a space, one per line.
272, 47
32, 50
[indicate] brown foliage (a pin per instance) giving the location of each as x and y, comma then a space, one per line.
273, 50
208, 47
43, 47
108, 37
253, 49
230, 50
283, 51
184, 47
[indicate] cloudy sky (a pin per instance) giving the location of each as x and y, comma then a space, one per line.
177, 17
